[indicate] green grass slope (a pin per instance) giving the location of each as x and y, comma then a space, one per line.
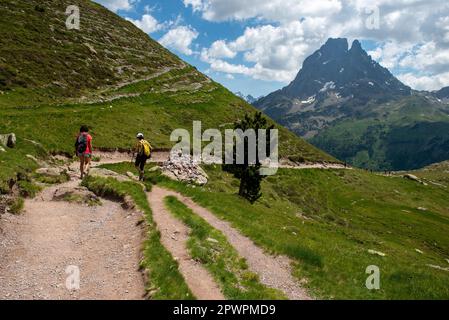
327, 221
403, 135
38, 51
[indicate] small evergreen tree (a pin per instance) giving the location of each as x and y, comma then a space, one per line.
249, 175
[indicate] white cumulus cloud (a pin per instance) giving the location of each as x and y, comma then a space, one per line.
147, 23
115, 5
180, 39
273, 52
425, 82
275, 10
218, 49
412, 35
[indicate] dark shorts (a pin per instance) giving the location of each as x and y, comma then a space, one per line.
141, 160
85, 155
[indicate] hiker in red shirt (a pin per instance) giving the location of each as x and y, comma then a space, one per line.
83, 147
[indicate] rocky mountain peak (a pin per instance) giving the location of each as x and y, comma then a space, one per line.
357, 47
352, 72
335, 47
443, 93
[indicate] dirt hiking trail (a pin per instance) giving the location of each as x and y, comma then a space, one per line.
38, 246
104, 243
274, 272
162, 156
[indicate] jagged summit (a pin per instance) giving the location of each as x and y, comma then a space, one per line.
336, 81
348, 71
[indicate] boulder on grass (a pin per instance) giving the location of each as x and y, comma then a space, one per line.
8, 140
183, 168
414, 178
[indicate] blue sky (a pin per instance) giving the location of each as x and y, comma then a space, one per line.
258, 46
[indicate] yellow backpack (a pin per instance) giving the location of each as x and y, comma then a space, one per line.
146, 148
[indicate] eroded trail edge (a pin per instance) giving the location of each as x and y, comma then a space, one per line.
274, 272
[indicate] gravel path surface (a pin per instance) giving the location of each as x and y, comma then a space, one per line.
51, 238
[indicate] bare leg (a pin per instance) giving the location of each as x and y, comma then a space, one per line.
82, 166
141, 175
87, 165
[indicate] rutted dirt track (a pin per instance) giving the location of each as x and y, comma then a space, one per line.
174, 235
37, 247
274, 272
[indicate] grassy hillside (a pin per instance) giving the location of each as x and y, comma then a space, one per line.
108, 75
39, 52
327, 221
114, 78
436, 174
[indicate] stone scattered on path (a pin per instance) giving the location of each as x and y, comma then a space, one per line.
105, 173
52, 171
132, 176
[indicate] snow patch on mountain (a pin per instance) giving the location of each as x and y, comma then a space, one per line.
328, 86
309, 100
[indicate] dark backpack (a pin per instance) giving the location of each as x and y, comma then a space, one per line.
81, 143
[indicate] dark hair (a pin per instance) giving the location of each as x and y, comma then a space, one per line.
84, 128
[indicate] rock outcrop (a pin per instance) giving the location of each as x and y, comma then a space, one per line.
8, 140
183, 168
78, 195
105, 173
52, 171
414, 178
